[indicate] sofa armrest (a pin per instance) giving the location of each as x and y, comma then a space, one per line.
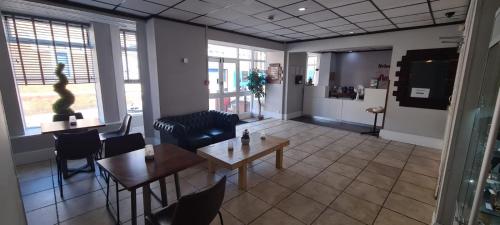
226, 121
174, 129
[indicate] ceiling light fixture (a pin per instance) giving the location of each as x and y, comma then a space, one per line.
351, 32
302, 9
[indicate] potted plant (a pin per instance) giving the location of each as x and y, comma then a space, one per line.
61, 106
256, 82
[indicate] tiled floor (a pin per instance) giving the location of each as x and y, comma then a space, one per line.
331, 177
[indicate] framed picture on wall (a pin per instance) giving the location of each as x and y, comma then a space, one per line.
274, 73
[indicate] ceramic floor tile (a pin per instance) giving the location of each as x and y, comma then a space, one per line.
395, 155
276, 217
265, 169
270, 192
252, 179
376, 180
356, 208
422, 169
338, 148
42, 216
319, 192
296, 154
305, 169
418, 179
227, 219
318, 162
302, 208
203, 179
239, 207
430, 153
78, 188
366, 155
328, 154
389, 161
38, 200
410, 207
382, 169
34, 170
289, 179
333, 180
332, 217
99, 216
35, 185
418, 193
367, 192
344, 169
307, 147
80, 205
388, 217
353, 161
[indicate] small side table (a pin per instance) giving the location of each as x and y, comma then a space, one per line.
375, 110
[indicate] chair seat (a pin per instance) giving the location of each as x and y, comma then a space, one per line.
104, 136
165, 215
217, 134
199, 139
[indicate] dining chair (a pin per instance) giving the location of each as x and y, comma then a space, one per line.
194, 209
123, 130
75, 146
115, 146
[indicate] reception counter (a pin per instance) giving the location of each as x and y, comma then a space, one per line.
318, 104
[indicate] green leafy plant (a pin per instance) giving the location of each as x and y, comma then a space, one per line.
256, 82
62, 105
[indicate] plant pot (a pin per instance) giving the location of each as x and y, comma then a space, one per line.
261, 117
65, 117
245, 141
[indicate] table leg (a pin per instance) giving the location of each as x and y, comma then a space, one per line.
211, 166
146, 199
242, 177
177, 186
133, 207
279, 158
163, 190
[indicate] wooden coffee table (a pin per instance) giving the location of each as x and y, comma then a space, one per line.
241, 155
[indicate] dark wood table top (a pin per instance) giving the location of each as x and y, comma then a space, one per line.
132, 170
61, 126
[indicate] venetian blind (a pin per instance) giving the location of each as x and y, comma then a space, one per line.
37, 45
129, 56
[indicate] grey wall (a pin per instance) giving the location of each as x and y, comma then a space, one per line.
297, 62
406, 120
273, 105
324, 69
356, 68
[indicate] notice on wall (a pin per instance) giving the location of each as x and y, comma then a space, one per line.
420, 92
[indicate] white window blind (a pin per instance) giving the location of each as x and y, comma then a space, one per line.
129, 56
36, 46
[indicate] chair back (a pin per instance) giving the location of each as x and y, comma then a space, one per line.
123, 144
77, 145
125, 126
59, 117
200, 208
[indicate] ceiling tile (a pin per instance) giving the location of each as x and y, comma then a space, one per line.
353, 9
229, 26
225, 14
131, 11
276, 14
331, 34
337, 3
197, 6
222, 3
247, 21
291, 22
143, 6
374, 23
343, 28
446, 4
351, 32
308, 37
332, 23
407, 10
412, 18
452, 19
96, 4
318, 32
250, 7
415, 24
279, 3
310, 6
306, 27
319, 16
264, 34
179, 14
281, 38
165, 2
113, 2
386, 27
365, 17
248, 30
387, 4
297, 35
458, 12
267, 27
207, 21
282, 31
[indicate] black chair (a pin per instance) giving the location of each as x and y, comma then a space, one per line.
116, 146
74, 146
123, 130
194, 209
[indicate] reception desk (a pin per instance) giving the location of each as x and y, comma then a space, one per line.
318, 104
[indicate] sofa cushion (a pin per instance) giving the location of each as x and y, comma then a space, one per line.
198, 139
217, 134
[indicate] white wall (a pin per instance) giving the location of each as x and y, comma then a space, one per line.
273, 105
416, 122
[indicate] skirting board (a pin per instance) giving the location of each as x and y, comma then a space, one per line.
293, 115
33, 156
412, 139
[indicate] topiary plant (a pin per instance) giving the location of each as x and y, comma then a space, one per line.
256, 84
62, 105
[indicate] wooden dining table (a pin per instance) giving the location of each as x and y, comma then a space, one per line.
62, 126
133, 171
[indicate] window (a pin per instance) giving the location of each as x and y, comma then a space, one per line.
36, 46
133, 93
312, 68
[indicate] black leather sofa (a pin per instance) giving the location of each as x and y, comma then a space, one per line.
196, 130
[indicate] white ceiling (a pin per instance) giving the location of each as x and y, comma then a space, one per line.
320, 19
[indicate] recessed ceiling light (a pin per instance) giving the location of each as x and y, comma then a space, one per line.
302, 9
351, 32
